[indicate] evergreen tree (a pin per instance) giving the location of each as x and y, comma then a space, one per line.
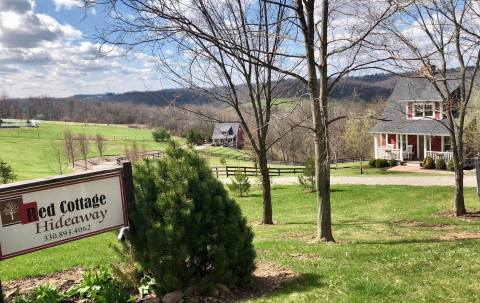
194, 137
160, 134
307, 180
240, 184
185, 230
6, 173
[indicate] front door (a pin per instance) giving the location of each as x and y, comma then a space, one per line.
421, 147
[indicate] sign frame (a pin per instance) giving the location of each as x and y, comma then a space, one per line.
124, 175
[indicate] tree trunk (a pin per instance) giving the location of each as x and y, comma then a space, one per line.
460, 209
322, 169
267, 192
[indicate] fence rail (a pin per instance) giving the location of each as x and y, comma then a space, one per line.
228, 171
141, 155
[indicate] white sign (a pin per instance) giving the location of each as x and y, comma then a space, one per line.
60, 210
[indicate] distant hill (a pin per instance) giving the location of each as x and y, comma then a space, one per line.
367, 88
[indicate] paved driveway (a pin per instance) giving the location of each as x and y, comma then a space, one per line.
469, 181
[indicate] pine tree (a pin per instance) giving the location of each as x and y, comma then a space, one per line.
185, 230
6, 173
240, 184
307, 180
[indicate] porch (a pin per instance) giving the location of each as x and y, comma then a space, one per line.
411, 147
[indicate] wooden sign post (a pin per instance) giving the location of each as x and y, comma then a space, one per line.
47, 212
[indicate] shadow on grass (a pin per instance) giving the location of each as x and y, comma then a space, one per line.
275, 285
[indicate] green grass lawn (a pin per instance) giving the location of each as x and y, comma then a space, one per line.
29, 150
390, 247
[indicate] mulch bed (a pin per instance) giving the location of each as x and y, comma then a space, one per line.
267, 278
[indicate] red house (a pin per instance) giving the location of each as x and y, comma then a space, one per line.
414, 126
228, 134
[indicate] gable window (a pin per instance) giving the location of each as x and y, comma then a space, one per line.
423, 110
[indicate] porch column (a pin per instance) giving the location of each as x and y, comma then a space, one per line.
401, 147
424, 146
375, 144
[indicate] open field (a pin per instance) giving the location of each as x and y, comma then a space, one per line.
29, 150
391, 247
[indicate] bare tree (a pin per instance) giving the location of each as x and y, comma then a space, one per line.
83, 147
58, 151
69, 146
100, 140
427, 40
10, 210
332, 36
217, 49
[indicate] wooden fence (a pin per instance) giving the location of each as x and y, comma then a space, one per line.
228, 171
138, 156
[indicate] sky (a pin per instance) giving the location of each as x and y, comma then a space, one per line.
47, 48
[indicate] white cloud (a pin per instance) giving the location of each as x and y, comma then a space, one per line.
40, 56
67, 4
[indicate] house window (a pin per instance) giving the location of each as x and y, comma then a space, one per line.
418, 110
428, 112
447, 144
423, 110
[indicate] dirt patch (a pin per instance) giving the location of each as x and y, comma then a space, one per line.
463, 235
267, 278
434, 226
62, 280
470, 216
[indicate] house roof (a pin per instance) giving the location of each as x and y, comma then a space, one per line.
411, 89
225, 127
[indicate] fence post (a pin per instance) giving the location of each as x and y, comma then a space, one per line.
226, 170
216, 171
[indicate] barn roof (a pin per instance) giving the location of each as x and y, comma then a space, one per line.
225, 127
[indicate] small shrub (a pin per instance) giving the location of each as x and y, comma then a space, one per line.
194, 137
240, 184
372, 163
185, 229
450, 165
101, 287
428, 163
393, 162
160, 134
381, 163
7, 174
308, 178
46, 294
223, 160
440, 164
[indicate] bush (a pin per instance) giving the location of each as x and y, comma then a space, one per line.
393, 162
101, 287
428, 163
223, 160
307, 180
160, 134
240, 184
195, 137
381, 163
440, 164
372, 163
185, 229
450, 165
6, 173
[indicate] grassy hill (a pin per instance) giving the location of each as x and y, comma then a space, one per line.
29, 150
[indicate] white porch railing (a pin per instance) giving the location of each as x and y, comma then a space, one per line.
447, 156
388, 153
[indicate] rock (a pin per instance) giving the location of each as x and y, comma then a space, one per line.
222, 288
173, 297
189, 291
192, 300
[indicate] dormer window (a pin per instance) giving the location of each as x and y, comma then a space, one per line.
423, 110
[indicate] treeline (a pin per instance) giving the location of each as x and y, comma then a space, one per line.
295, 146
